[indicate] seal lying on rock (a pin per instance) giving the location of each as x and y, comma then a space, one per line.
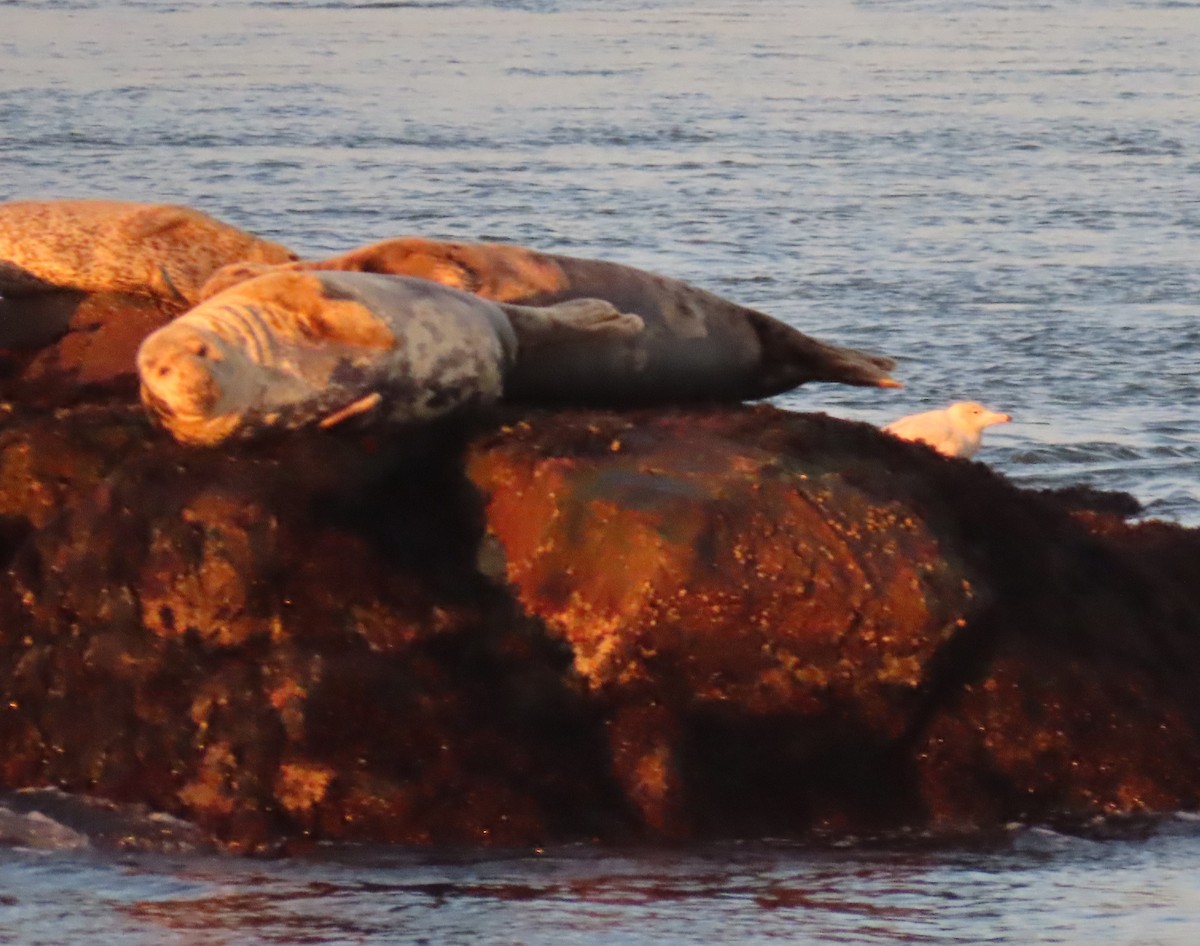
113, 246
696, 347
287, 349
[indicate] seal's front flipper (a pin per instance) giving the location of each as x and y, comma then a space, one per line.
361, 406
573, 319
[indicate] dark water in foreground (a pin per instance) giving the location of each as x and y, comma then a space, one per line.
1034, 886
1004, 196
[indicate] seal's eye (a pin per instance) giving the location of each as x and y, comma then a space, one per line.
201, 349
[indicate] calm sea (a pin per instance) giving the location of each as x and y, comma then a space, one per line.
1004, 196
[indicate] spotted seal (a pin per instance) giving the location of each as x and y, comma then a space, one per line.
293, 349
114, 246
697, 346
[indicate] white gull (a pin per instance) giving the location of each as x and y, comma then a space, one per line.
955, 431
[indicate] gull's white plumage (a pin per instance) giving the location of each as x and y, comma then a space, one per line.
954, 431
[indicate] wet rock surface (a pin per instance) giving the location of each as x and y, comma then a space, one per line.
557, 625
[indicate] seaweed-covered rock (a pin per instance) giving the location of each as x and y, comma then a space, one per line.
580, 624
288, 644
796, 621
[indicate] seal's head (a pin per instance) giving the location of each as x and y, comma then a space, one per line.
193, 383
228, 276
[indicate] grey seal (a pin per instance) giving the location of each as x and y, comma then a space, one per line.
293, 349
697, 346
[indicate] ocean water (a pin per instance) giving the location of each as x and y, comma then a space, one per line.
1003, 196
1035, 887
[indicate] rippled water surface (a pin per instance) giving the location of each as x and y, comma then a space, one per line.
1034, 887
1005, 196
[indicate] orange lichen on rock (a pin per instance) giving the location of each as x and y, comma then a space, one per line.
301, 786
195, 582
213, 792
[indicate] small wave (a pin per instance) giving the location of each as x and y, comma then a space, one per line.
1147, 143
1091, 453
563, 73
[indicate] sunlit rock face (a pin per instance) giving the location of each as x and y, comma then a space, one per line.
798, 623
727, 582
561, 625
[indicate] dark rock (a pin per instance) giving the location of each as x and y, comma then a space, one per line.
54, 820
291, 643
65, 347
580, 624
829, 627
1087, 500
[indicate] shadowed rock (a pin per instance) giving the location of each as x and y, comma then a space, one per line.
285, 645
581, 624
59, 348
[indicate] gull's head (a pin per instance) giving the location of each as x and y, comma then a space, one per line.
971, 415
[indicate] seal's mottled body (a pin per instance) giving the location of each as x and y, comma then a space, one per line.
114, 246
696, 346
289, 349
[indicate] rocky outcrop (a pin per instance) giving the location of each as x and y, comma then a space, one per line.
563, 625
288, 644
798, 622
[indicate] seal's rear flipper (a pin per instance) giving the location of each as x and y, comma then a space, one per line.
578, 319
791, 358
